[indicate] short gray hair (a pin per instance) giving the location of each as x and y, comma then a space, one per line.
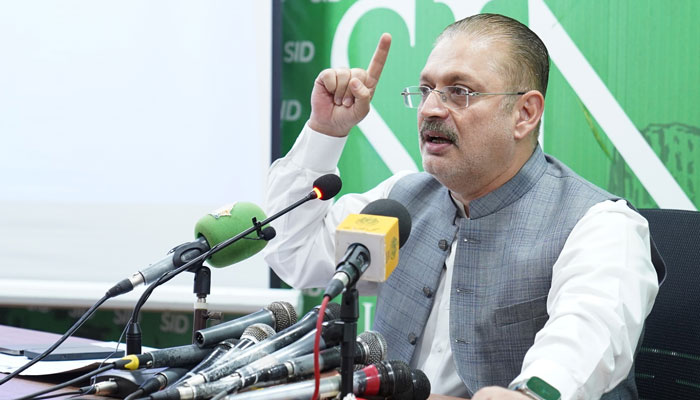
527, 65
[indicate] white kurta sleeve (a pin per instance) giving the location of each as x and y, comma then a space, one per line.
603, 288
303, 252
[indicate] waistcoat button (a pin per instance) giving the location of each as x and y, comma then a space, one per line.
427, 292
442, 244
412, 338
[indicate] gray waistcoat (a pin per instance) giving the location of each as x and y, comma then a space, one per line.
502, 271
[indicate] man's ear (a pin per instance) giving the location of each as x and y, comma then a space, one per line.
529, 109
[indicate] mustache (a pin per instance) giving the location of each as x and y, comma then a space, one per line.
439, 127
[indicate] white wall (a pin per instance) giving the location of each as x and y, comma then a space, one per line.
121, 124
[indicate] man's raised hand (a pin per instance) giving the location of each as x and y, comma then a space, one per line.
341, 96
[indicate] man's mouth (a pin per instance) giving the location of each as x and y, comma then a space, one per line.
436, 132
431, 138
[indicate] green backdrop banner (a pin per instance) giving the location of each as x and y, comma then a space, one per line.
621, 108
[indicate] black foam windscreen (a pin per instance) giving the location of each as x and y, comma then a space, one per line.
329, 185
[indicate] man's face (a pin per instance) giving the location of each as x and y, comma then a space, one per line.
471, 146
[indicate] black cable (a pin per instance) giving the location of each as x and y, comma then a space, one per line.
134, 395
62, 339
116, 349
51, 396
65, 384
163, 279
133, 336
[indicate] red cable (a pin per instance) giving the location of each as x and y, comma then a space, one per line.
317, 346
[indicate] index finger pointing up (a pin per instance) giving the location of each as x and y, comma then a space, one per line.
376, 64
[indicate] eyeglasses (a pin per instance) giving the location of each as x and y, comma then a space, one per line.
454, 97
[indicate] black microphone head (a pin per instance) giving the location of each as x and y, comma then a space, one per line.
395, 377
258, 332
419, 389
373, 345
327, 186
284, 314
421, 385
391, 208
268, 233
332, 312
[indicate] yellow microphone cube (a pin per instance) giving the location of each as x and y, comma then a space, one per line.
380, 234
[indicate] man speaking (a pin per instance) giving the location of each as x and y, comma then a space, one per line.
520, 279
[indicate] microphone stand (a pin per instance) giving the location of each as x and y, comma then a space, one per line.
349, 313
133, 335
202, 283
202, 287
182, 255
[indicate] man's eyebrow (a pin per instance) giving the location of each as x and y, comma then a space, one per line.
451, 78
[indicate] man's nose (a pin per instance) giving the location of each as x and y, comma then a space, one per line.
433, 106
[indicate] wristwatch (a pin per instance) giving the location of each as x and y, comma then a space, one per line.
538, 389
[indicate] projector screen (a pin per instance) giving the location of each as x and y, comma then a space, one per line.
123, 123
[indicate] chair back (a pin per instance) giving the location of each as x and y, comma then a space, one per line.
668, 362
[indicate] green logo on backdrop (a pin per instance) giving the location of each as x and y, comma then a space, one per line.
621, 104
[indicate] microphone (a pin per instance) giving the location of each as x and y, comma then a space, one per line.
180, 356
219, 350
326, 187
277, 341
158, 382
279, 315
381, 379
331, 335
380, 229
370, 348
210, 230
419, 389
251, 336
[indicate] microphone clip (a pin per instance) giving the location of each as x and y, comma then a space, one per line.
187, 252
266, 233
